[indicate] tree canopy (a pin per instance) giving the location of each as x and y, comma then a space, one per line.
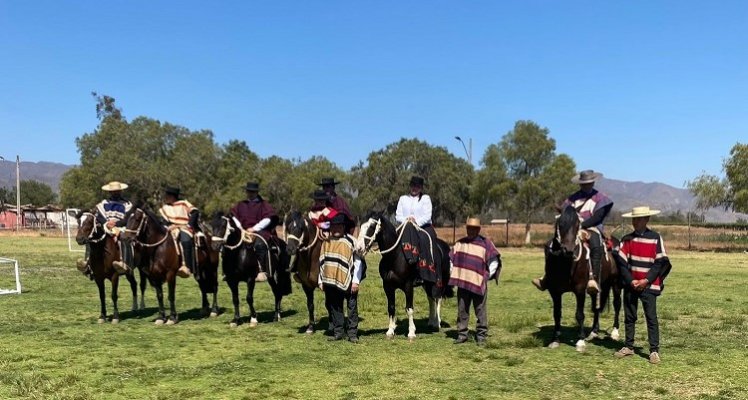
729, 192
32, 192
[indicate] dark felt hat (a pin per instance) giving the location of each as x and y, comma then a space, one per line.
252, 187
416, 180
586, 176
320, 195
328, 182
174, 191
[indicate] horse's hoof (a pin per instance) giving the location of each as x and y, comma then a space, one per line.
581, 345
411, 339
309, 331
615, 335
213, 314
390, 335
101, 320
554, 345
171, 322
592, 336
159, 322
233, 325
252, 323
115, 321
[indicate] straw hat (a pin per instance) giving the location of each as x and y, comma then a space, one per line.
114, 186
473, 222
586, 176
643, 211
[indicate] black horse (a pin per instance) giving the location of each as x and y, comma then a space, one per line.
397, 273
240, 265
304, 246
103, 251
567, 270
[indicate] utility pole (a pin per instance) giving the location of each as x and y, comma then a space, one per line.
18, 193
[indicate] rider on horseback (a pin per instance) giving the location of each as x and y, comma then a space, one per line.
322, 211
182, 219
337, 203
258, 217
416, 208
111, 212
593, 207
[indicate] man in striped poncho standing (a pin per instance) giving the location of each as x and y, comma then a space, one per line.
644, 264
475, 261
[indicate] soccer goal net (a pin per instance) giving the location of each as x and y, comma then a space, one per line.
71, 227
10, 277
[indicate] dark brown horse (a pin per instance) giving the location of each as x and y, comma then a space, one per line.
240, 265
103, 251
304, 245
397, 273
567, 270
206, 272
157, 243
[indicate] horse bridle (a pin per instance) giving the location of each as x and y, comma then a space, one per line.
577, 244
143, 223
90, 237
300, 239
224, 239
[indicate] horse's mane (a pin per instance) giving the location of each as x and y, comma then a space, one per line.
567, 219
150, 214
294, 215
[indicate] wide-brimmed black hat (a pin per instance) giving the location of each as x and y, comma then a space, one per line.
586, 176
174, 191
320, 195
327, 182
339, 219
252, 187
416, 180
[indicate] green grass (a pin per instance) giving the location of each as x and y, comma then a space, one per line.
52, 348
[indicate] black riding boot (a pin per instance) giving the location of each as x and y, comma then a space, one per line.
261, 252
596, 259
189, 255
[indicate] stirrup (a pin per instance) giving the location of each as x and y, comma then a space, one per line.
592, 287
121, 267
539, 283
184, 272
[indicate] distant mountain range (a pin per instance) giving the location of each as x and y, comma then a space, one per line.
625, 194
660, 196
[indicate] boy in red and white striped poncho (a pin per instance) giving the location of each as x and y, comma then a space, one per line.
643, 263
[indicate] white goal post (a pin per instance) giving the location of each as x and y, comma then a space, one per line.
7, 262
70, 214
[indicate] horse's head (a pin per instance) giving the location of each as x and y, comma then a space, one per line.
136, 221
221, 226
295, 227
88, 228
567, 227
369, 231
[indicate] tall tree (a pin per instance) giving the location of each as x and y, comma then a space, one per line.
537, 177
730, 192
32, 192
379, 183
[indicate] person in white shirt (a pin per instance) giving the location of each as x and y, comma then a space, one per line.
416, 207
340, 274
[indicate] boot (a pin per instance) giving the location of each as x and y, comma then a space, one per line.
121, 267
82, 266
185, 271
539, 283
596, 258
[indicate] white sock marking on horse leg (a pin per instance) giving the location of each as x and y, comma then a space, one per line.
411, 325
391, 329
615, 335
581, 345
439, 313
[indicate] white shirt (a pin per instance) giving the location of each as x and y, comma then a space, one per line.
412, 206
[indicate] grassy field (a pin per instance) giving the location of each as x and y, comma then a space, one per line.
52, 348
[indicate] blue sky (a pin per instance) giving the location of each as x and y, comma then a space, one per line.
641, 90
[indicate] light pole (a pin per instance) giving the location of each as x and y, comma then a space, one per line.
18, 191
469, 154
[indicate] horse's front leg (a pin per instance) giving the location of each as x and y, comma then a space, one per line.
160, 297
115, 297
134, 288
172, 285
556, 340
581, 344
102, 299
251, 302
615, 335
309, 292
205, 308
389, 291
214, 308
143, 284
234, 287
409, 310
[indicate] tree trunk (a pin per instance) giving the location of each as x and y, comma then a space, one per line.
528, 239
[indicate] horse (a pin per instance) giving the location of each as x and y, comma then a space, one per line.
304, 246
103, 251
397, 273
240, 265
206, 272
145, 229
567, 270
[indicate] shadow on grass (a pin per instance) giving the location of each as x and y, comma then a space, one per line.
569, 337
